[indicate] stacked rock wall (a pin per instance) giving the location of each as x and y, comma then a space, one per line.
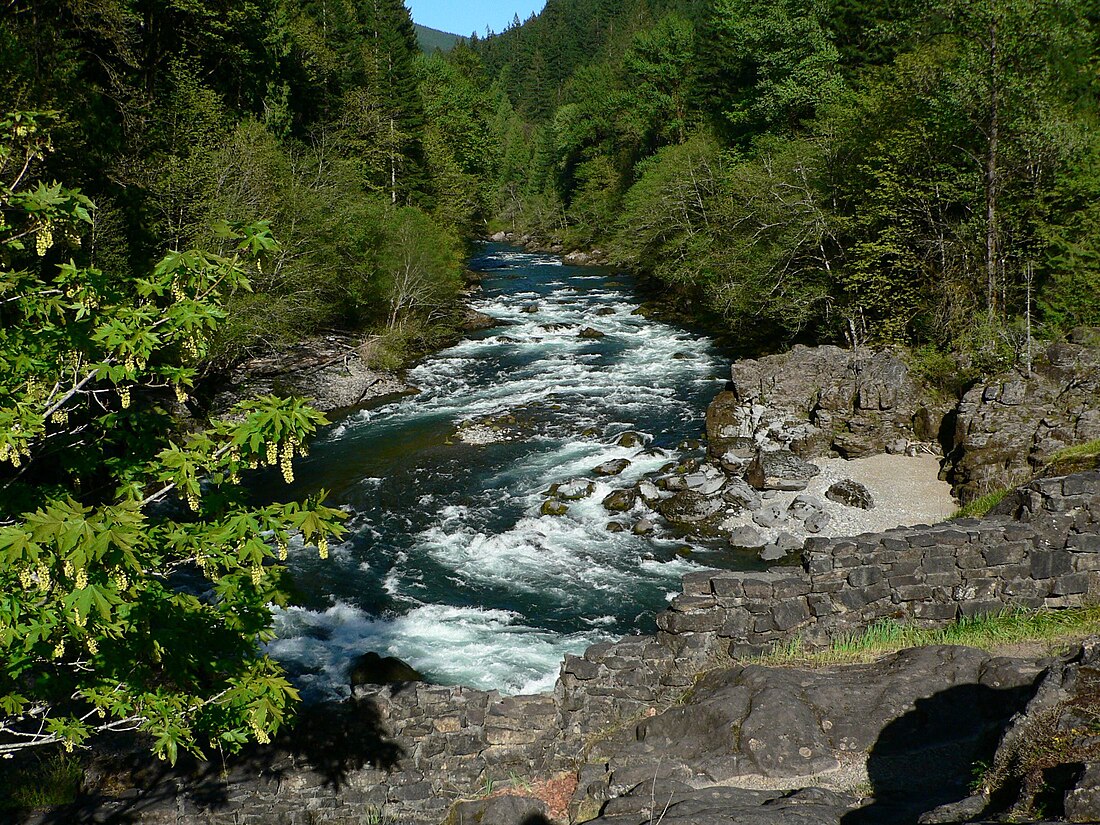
1048, 555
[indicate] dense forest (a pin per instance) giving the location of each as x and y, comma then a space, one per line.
183, 185
918, 173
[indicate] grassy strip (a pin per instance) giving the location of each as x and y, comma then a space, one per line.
1090, 449
44, 781
980, 506
1012, 626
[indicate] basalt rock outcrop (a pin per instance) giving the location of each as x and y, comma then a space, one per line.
1007, 429
824, 401
331, 372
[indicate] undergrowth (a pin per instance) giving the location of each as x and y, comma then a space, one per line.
42, 781
987, 632
979, 507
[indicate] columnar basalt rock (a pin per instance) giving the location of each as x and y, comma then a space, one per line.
824, 400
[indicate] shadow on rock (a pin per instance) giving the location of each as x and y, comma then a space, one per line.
327, 745
928, 757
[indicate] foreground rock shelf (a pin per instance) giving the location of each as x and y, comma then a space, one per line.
677, 717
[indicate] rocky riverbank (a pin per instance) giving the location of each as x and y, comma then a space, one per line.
676, 728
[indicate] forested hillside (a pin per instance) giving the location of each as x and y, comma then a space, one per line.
319, 117
923, 173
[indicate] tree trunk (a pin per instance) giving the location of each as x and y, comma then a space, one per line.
992, 183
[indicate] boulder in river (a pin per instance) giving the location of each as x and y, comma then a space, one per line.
605, 311
614, 527
530, 309
643, 527
553, 507
589, 332
746, 537
631, 439
573, 490
372, 669
689, 509
612, 468
780, 470
620, 501
740, 494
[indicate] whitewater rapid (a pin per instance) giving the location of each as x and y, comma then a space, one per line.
449, 564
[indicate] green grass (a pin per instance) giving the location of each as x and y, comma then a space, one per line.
44, 782
1011, 627
979, 507
1078, 453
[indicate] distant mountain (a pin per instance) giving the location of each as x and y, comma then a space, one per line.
432, 39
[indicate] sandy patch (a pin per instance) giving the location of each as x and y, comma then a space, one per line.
906, 491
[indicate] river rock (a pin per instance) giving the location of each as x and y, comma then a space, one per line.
612, 468
620, 501
746, 537
605, 311
818, 522
614, 527
771, 515
648, 492
704, 484
779, 470
372, 669
851, 494
499, 237
740, 494
530, 309
631, 439
780, 548
802, 507
553, 507
643, 527
690, 509
589, 332
573, 490
474, 321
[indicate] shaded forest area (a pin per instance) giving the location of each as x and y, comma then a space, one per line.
322, 117
833, 170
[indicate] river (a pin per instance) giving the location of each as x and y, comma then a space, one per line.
449, 564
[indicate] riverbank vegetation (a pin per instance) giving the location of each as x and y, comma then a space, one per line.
996, 632
922, 174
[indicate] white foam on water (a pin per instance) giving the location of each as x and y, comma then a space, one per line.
616, 384
487, 649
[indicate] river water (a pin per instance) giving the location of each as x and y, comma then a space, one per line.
449, 564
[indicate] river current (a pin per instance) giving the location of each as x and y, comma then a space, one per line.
448, 564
